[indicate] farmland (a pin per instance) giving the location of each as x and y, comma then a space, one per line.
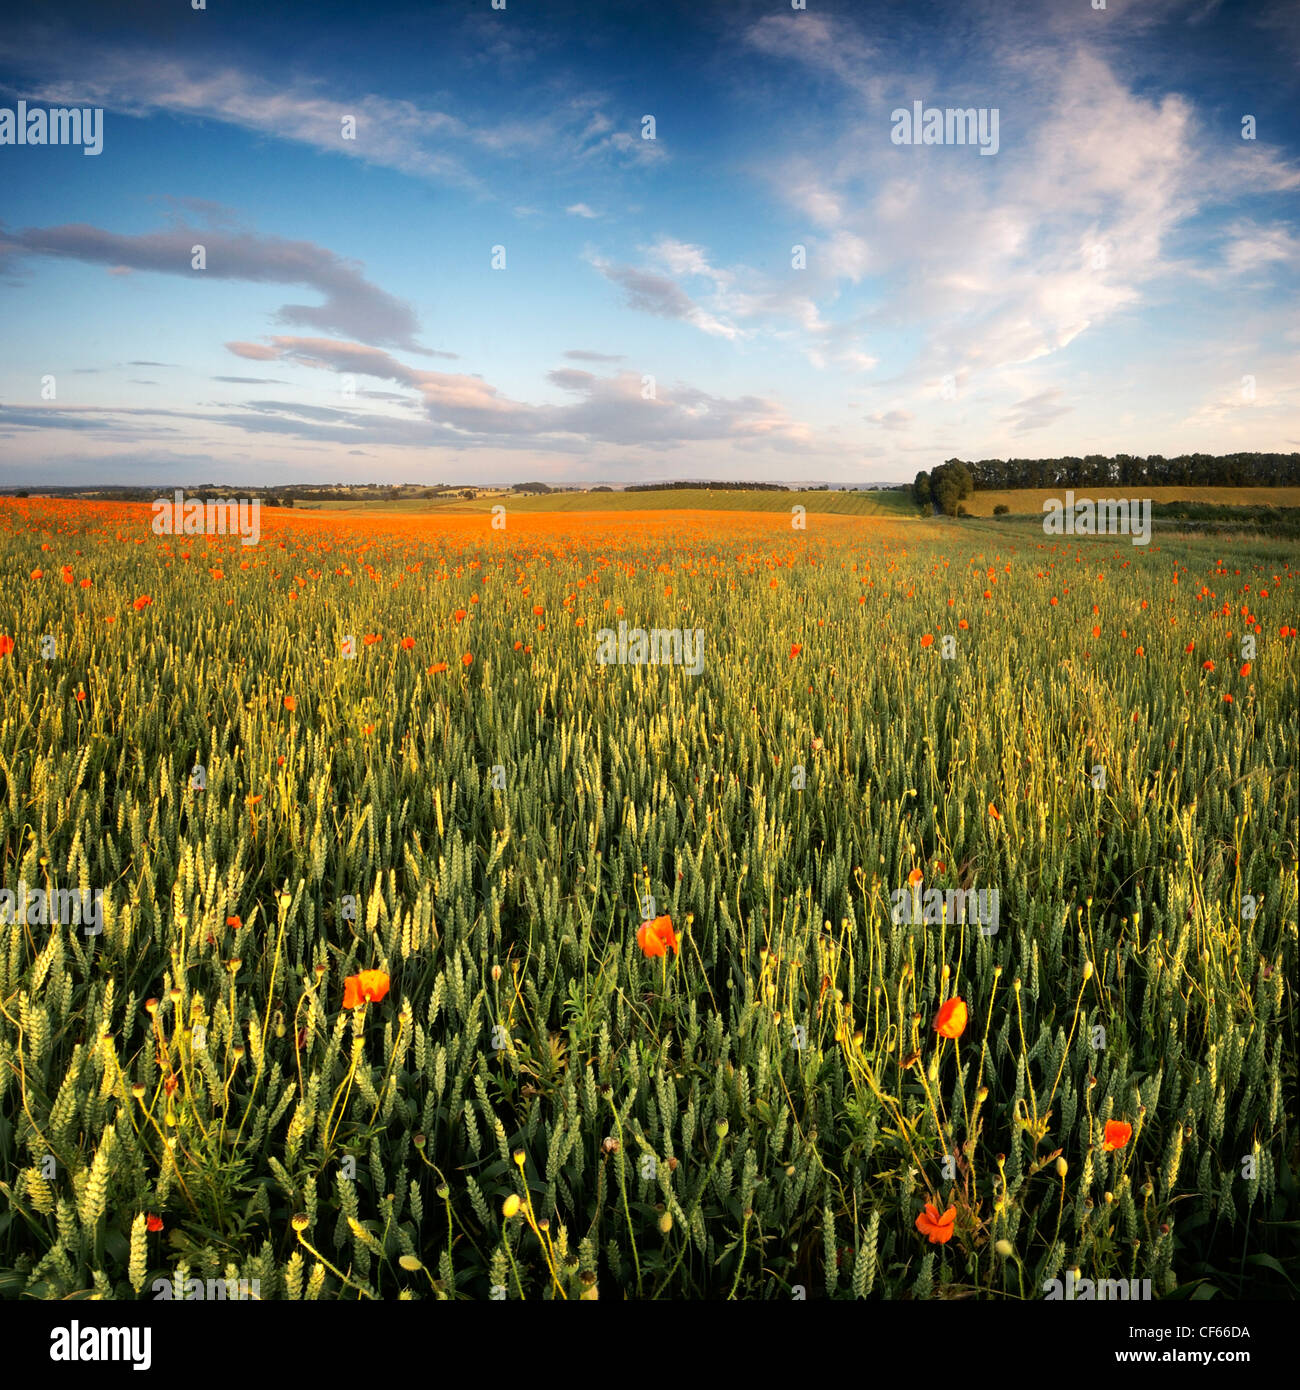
545, 1099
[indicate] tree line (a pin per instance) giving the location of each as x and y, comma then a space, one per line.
946, 485
1133, 470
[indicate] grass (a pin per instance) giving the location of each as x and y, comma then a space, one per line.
537, 1109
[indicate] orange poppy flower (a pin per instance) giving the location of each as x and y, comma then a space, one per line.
538, 610
950, 1021
467, 659
915, 877
66, 572
436, 667
40, 574
938, 1228
86, 583
142, 603
994, 812
1207, 666
235, 922
371, 638
654, 938
928, 640
407, 643
153, 1223
795, 649
963, 625
1116, 1136
81, 695
369, 986
291, 703
1096, 632
6, 644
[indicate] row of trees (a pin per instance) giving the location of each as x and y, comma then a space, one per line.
1132, 470
708, 486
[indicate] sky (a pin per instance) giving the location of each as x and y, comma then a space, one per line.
438, 245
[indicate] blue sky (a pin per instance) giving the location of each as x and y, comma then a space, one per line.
1120, 276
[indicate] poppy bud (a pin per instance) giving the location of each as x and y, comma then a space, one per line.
510, 1207
1005, 1249
301, 1221
1062, 1167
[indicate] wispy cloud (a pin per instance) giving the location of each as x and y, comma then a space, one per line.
351, 303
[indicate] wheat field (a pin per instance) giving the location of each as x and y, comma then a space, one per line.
441, 959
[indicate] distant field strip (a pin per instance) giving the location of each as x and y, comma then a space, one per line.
1031, 499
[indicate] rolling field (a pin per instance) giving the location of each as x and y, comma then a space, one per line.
874, 504
1029, 500
472, 965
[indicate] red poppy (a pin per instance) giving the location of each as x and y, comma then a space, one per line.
950, 1021
153, 1223
938, 1228
369, 986
654, 938
1116, 1136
